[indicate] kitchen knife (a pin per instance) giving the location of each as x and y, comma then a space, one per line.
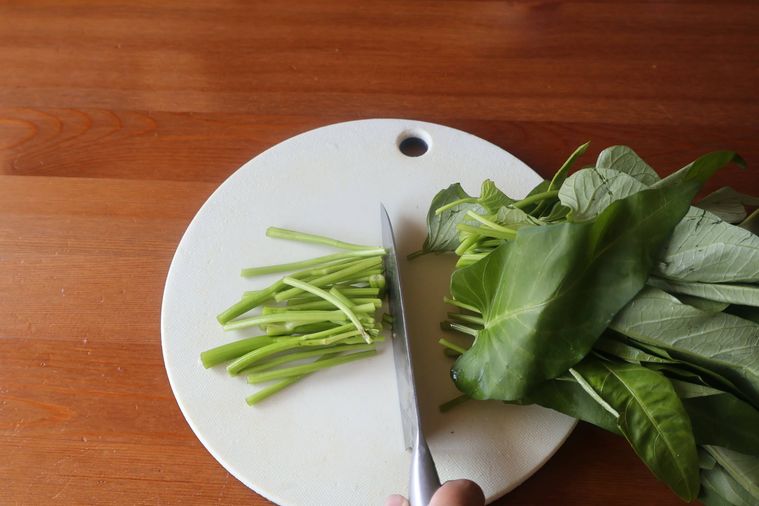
423, 477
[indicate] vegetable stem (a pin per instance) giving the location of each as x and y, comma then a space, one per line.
467, 200
291, 316
292, 235
466, 244
491, 224
340, 275
532, 199
451, 346
487, 232
449, 405
307, 368
466, 318
292, 357
336, 301
232, 350
333, 259
454, 302
449, 325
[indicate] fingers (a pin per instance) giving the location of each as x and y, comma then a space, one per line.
396, 500
458, 493
452, 493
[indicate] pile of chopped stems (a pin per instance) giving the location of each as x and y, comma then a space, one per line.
320, 315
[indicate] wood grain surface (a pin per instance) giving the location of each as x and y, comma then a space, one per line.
118, 119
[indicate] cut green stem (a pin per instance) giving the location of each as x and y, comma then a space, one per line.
467, 318
288, 317
466, 244
487, 231
334, 277
301, 355
491, 224
456, 401
333, 259
467, 200
449, 325
452, 346
270, 390
532, 199
292, 235
454, 302
329, 297
307, 368
470, 258
323, 304
347, 291
259, 354
232, 350
256, 298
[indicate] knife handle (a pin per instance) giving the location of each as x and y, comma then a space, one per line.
423, 481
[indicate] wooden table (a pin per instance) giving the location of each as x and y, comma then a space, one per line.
117, 120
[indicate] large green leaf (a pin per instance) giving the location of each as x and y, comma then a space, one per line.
626, 352
751, 223
548, 294
491, 198
720, 418
728, 204
588, 192
710, 306
701, 169
624, 159
703, 248
732, 293
742, 468
718, 488
565, 395
652, 419
561, 175
513, 218
442, 235
720, 342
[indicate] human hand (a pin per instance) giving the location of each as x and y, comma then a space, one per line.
452, 493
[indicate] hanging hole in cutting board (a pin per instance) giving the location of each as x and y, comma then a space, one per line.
414, 143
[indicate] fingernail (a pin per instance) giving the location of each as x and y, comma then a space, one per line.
396, 500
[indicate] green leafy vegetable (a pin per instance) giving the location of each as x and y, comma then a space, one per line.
625, 160
728, 204
720, 342
449, 208
719, 488
707, 407
732, 293
588, 192
703, 248
744, 469
547, 295
553, 290
566, 395
652, 419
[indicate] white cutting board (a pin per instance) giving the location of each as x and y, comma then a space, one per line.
336, 438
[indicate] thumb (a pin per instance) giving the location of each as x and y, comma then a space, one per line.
458, 493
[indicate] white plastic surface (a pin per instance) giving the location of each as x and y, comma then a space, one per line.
336, 438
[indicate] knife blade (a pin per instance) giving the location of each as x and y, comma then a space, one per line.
423, 477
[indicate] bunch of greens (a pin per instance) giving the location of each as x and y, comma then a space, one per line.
321, 315
605, 295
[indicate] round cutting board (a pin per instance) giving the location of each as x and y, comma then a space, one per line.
336, 437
